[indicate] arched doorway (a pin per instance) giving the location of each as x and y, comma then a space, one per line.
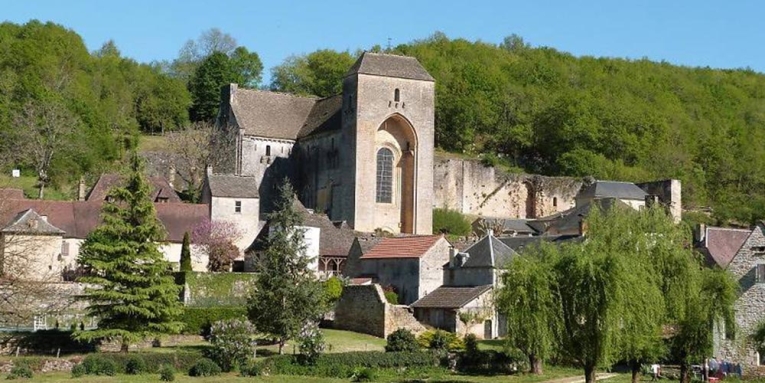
395, 192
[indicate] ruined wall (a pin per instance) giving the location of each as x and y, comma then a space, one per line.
472, 188
669, 193
364, 309
749, 307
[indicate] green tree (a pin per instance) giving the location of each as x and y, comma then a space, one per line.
286, 294
450, 222
529, 302
319, 73
213, 73
247, 66
186, 253
133, 294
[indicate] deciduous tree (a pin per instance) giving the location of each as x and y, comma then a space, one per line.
217, 239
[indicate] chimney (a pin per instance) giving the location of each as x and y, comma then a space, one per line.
171, 176
452, 253
81, 190
490, 232
44, 218
700, 232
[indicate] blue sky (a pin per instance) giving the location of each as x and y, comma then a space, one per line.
696, 33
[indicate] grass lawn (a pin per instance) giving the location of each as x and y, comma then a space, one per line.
149, 143
433, 377
29, 185
337, 341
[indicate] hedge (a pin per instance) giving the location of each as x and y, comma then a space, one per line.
47, 342
342, 365
197, 320
181, 361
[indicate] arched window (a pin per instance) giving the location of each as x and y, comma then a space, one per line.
396, 95
384, 175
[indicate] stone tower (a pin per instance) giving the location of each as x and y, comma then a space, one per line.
387, 142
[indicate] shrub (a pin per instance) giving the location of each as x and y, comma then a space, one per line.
450, 222
391, 297
471, 344
166, 373
98, 364
78, 370
197, 320
364, 375
333, 289
252, 369
135, 365
343, 365
21, 371
205, 367
402, 340
231, 342
487, 362
311, 343
440, 340
50, 342
181, 361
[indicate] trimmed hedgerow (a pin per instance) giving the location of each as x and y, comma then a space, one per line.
343, 365
197, 320
181, 361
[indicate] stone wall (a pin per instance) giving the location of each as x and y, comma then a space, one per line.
471, 188
364, 309
669, 193
750, 306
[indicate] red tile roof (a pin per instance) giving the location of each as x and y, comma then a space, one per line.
722, 244
161, 188
402, 247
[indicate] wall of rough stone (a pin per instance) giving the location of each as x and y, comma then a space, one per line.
750, 306
432, 268
474, 189
364, 309
669, 193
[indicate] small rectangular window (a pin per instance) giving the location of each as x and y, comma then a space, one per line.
237, 206
65, 249
268, 150
760, 273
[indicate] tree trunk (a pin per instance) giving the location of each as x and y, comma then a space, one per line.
535, 364
42, 190
685, 373
124, 347
281, 346
589, 374
635, 366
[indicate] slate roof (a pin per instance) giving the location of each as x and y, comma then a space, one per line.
271, 114
569, 221
519, 226
388, 65
615, 189
225, 185
720, 245
450, 297
161, 189
29, 222
489, 252
402, 247
518, 244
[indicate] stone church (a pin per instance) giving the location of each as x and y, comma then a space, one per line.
364, 156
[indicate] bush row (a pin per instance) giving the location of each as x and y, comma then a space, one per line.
342, 365
197, 320
46, 342
149, 362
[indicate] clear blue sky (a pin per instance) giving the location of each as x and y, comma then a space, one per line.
718, 34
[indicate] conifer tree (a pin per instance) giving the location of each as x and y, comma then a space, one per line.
286, 294
186, 253
133, 294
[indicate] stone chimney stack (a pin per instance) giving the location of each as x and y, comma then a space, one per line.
700, 232
81, 190
171, 176
452, 254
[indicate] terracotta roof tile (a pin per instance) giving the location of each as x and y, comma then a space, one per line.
161, 188
11, 193
402, 247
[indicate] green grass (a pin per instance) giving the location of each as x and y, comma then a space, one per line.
152, 144
336, 340
29, 185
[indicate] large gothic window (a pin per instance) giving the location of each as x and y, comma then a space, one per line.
384, 175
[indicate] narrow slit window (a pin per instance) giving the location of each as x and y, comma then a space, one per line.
555, 201
237, 206
268, 150
384, 175
397, 95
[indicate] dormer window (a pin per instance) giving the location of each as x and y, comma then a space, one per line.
237, 206
396, 95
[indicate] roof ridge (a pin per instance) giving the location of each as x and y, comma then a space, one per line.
728, 229
294, 95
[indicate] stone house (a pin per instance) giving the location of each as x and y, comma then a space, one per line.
412, 265
234, 199
364, 156
446, 307
742, 253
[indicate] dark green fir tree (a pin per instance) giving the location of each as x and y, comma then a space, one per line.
133, 295
186, 253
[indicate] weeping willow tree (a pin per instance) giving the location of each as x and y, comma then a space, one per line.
612, 296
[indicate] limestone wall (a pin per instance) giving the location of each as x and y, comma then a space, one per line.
474, 189
364, 309
669, 193
750, 306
